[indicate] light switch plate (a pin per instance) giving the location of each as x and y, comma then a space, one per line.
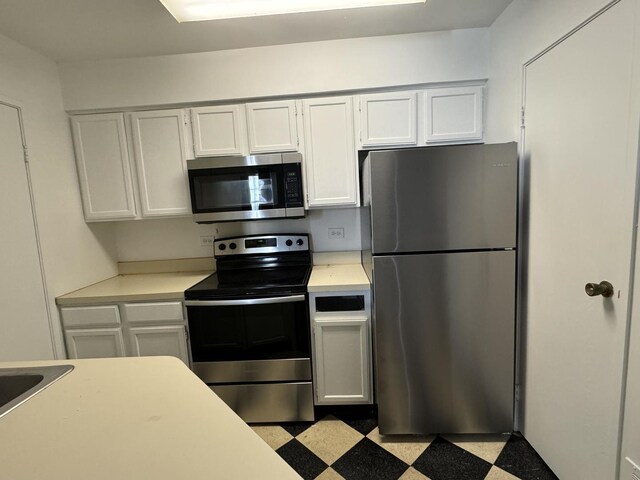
336, 233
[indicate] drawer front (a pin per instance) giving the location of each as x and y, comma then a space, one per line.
90, 316
153, 312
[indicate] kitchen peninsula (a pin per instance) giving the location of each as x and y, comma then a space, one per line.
131, 418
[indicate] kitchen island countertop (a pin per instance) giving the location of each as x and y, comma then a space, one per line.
131, 418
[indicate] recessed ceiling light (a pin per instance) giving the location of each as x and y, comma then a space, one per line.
193, 10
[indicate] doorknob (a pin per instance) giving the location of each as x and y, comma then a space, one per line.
603, 288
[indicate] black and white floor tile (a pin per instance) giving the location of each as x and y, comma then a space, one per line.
351, 448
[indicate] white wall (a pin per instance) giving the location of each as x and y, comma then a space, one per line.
74, 254
180, 237
297, 69
523, 30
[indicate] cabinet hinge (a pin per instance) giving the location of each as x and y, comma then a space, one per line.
295, 109
186, 333
522, 117
307, 196
517, 393
359, 105
25, 151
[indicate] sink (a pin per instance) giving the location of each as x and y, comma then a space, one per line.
17, 385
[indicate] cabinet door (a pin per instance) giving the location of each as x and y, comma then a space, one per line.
272, 127
160, 147
342, 367
104, 168
95, 343
453, 114
388, 119
218, 130
162, 340
330, 155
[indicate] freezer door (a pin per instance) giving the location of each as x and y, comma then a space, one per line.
444, 342
443, 198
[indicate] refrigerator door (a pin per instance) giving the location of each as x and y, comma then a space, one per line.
444, 340
461, 197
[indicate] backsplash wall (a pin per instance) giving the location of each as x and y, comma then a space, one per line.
180, 237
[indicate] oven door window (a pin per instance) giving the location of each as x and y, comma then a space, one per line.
249, 332
233, 189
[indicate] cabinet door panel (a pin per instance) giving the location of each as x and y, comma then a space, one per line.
104, 168
342, 360
148, 312
159, 139
272, 127
330, 154
453, 114
388, 119
218, 130
165, 340
95, 343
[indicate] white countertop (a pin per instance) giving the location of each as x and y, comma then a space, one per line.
148, 286
131, 418
337, 278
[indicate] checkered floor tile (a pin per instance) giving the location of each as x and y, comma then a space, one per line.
347, 447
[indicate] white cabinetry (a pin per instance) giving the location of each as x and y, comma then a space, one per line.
161, 149
150, 328
330, 161
388, 119
104, 168
219, 130
341, 347
272, 127
452, 114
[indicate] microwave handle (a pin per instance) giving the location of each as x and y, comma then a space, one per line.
249, 301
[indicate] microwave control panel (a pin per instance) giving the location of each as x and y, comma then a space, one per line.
292, 185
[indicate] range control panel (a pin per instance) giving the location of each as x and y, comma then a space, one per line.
259, 244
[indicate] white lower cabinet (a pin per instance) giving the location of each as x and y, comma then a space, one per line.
341, 347
161, 340
95, 343
150, 329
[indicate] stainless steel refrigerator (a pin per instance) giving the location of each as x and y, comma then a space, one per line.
442, 256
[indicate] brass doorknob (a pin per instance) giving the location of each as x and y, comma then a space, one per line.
603, 288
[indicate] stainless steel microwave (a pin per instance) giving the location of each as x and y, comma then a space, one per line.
255, 187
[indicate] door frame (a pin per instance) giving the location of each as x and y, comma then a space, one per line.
523, 232
56, 339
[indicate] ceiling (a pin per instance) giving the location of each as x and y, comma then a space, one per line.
72, 30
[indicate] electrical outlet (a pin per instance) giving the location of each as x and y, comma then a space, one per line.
206, 240
336, 233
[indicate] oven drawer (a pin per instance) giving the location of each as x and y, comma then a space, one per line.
271, 402
285, 370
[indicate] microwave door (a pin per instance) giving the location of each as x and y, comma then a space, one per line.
237, 193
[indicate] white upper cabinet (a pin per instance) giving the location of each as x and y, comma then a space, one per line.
104, 168
160, 144
452, 114
388, 119
219, 130
330, 161
272, 127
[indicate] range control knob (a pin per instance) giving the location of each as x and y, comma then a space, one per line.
222, 246
232, 246
288, 243
299, 242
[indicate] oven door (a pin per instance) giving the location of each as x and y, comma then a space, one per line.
250, 340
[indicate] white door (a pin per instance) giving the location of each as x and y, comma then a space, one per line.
452, 114
24, 322
160, 147
104, 168
388, 119
219, 130
272, 126
330, 161
95, 343
159, 340
581, 180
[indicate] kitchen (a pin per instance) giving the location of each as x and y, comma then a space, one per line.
77, 254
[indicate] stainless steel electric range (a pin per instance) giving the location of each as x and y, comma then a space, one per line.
249, 329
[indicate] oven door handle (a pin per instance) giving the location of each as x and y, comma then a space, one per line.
249, 301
